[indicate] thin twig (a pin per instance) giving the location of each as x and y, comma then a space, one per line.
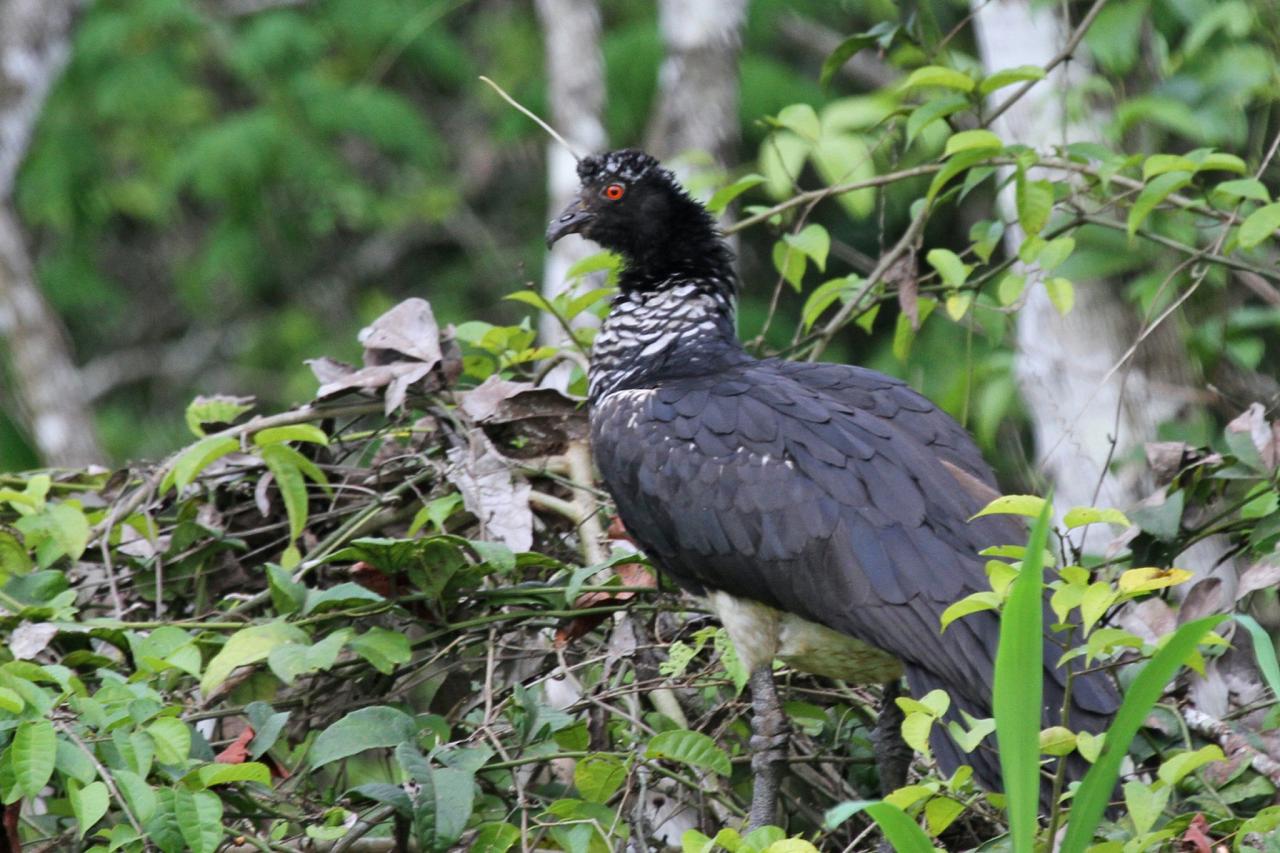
551, 131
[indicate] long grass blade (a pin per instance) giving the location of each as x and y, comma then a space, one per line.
1019, 687
1095, 791
898, 828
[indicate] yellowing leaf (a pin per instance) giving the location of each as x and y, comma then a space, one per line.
1149, 578
1081, 515
1057, 740
1028, 505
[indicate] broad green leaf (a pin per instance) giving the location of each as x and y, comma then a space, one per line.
209, 775
953, 271
199, 817
215, 410
801, 120
814, 241
725, 195
1062, 294
248, 646
598, 776
790, 263
1090, 745
290, 660
163, 829
845, 51
1009, 289
88, 804
1095, 790
267, 726
1153, 194
1175, 768
1016, 694
1035, 203
294, 432
955, 165
844, 157
345, 593
687, 747
899, 829
282, 461
1079, 516
73, 762
377, 726
932, 110
937, 75
1094, 603
1220, 161
1264, 651
1054, 252
1030, 506
172, 738
287, 595
940, 813
382, 648
494, 838
1147, 579
1158, 164
1009, 76
957, 305
195, 459
791, 845
973, 603
826, 294
1249, 188
1144, 803
1057, 740
1259, 225
969, 140
782, 156
986, 236
533, 298
140, 796
31, 756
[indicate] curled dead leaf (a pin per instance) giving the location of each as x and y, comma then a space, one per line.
493, 491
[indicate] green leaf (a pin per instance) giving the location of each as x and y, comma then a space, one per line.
162, 829
972, 603
1035, 203
845, 51
1080, 516
1250, 188
289, 480
31, 755
267, 726
1144, 803
378, 726
937, 75
1095, 791
199, 817
899, 829
209, 775
287, 595
954, 271
724, 196
782, 156
846, 157
1175, 768
1009, 76
347, 592
88, 804
1018, 688
1264, 650
290, 660
172, 738
1061, 294
1220, 161
932, 110
215, 410
1055, 252
1259, 225
1010, 288
813, 241
294, 432
140, 796
969, 140
1153, 194
1030, 506
382, 648
1158, 164
801, 120
248, 646
195, 459
494, 838
826, 294
687, 747
958, 304
598, 776
955, 165
790, 263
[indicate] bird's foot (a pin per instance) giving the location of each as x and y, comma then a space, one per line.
893, 755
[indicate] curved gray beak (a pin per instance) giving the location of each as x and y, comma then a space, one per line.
570, 221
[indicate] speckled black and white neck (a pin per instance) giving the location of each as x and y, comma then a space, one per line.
682, 327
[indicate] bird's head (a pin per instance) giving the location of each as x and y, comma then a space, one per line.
633, 206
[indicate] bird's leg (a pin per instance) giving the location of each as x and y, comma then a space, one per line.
768, 746
893, 756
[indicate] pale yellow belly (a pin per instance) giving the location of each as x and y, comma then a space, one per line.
760, 633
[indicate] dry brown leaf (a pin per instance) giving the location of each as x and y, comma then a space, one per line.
237, 752
1256, 577
409, 329
493, 492
1261, 432
901, 276
1204, 599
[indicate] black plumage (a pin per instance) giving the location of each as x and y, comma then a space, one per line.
830, 492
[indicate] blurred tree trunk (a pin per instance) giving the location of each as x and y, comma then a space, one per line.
34, 45
575, 90
697, 102
1062, 361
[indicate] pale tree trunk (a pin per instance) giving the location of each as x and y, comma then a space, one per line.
575, 90
1062, 361
697, 103
34, 45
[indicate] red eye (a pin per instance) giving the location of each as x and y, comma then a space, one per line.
613, 192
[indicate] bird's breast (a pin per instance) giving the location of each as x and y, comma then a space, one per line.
761, 633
